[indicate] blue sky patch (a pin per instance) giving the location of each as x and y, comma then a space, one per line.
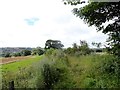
31, 21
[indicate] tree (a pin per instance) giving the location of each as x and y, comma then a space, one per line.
75, 47
81, 49
56, 44
84, 47
7, 54
34, 51
98, 13
98, 45
37, 51
73, 2
69, 50
25, 52
40, 51
16, 54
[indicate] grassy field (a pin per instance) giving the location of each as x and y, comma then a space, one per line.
20, 64
13, 59
62, 70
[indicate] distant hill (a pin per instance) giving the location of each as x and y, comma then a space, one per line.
13, 49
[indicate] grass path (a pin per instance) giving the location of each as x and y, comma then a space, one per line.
20, 64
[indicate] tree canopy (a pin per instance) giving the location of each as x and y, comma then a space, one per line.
37, 51
56, 44
25, 52
97, 14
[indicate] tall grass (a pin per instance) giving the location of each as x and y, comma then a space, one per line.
94, 71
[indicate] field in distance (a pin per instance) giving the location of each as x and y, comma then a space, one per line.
13, 64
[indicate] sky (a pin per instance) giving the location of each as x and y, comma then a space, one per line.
29, 23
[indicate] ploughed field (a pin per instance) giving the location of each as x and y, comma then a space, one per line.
13, 59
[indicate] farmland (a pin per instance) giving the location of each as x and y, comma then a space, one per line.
13, 64
57, 69
12, 59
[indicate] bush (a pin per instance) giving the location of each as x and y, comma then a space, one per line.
109, 64
49, 51
54, 70
51, 75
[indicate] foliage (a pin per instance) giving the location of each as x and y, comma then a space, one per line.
25, 52
81, 49
49, 52
34, 51
56, 44
98, 13
84, 47
37, 51
98, 45
55, 70
73, 2
16, 54
6, 54
90, 71
69, 50
51, 75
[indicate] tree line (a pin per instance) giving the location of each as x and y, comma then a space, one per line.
82, 49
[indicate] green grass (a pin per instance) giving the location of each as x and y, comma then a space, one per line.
20, 64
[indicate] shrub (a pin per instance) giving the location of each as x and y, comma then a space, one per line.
49, 51
109, 64
54, 70
51, 75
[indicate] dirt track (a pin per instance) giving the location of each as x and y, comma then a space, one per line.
12, 59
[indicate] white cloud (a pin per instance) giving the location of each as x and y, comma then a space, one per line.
56, 21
